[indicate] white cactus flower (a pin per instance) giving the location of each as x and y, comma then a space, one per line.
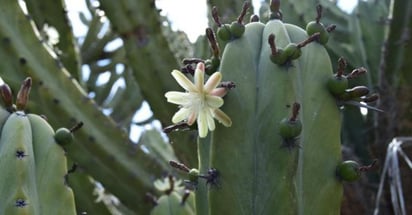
200, 102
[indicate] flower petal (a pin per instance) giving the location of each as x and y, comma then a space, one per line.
222, 117
178, 98
210, 120
213, 81
181, 115
214, 101
202, 126
183, 81
192, 118
200, 76
220, 91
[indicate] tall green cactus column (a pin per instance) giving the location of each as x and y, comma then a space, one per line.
279, 153
258, 173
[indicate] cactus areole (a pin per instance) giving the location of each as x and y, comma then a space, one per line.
256, 174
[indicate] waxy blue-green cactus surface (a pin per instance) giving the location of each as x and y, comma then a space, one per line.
256, 174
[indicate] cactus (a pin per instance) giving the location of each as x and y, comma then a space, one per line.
33, 164
272, 180
253, 171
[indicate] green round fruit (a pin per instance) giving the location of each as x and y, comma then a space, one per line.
348, 171
290, 129
63, 136
223, 32
292, 51
324, 37
280, 58
315, 27
193, 175
237, 29
337, 85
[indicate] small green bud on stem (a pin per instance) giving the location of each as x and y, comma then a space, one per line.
290, 128
351, 171
277, 55
319, 13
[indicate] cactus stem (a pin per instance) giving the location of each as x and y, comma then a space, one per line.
174, 127
295, 112
371, 98
272, 44
242, 14
6, 96
290, 143
212, 42
179, 166
357, 72
275, 6
76, 127
368, 167
185, 197
341, 67
23, 94
151, 198
171, 185
275, 10
330, 28
70, 171
319, 13
313, 37
215, 16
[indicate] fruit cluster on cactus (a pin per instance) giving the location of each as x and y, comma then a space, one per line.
33, 165
282, 152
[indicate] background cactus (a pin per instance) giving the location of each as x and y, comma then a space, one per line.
65, 95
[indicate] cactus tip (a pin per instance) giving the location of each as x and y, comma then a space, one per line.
6, 95
23, 94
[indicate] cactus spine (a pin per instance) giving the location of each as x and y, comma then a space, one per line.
33, 164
